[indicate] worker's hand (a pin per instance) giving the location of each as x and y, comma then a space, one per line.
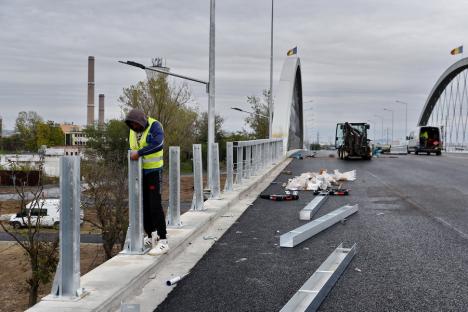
134, 155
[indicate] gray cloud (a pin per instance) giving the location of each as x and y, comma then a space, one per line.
358, 56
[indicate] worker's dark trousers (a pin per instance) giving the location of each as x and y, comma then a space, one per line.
153, 214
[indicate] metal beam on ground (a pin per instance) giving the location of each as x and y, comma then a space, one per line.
314, 227
316, 288
308, 211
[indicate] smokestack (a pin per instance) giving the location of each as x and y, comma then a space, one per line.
101, 109
90, 115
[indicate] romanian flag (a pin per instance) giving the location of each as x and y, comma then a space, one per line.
455, 51
293, 51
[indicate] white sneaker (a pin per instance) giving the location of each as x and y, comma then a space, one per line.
148, 242
161, 248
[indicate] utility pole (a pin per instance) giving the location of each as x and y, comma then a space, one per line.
211, 90
270, 104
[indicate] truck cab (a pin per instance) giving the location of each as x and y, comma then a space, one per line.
425, 139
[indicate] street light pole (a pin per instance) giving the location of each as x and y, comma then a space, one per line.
406, 117
390, 110
211, 91
381, 119
270, 104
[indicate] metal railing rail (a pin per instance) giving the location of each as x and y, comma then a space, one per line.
251, 157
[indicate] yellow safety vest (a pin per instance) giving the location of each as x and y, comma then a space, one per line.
151, 161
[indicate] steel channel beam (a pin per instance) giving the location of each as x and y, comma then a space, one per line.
308, 211
173, 211
311, 295
67, 277
197, 202
311, 228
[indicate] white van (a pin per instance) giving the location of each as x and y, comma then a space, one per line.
426, 139
46, 210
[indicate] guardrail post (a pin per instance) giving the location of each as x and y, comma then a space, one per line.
267, 153
240, 159
254, 159
275, 144
229, 167
173, 211
248, 164
197, 202
262, 155
67, 277
215, 184
134, 240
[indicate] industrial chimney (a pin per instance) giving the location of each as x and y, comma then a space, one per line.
101, 109
90, 115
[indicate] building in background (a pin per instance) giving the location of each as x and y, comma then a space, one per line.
74, 135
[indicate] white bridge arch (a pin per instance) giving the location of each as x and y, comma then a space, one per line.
288, 117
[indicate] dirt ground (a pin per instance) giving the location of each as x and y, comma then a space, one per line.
15, 270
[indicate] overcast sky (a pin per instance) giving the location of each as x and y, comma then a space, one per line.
358, 56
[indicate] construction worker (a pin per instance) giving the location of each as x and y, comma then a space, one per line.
146, 140
423, 138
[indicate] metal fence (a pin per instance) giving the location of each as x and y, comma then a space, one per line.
252, 156
244, 159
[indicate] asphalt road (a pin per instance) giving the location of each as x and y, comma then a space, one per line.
411, 231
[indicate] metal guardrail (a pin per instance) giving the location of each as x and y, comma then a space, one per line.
253, 156
244, 159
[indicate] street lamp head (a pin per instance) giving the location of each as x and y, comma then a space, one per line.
237, 109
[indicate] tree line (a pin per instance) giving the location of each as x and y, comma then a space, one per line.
31, 133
